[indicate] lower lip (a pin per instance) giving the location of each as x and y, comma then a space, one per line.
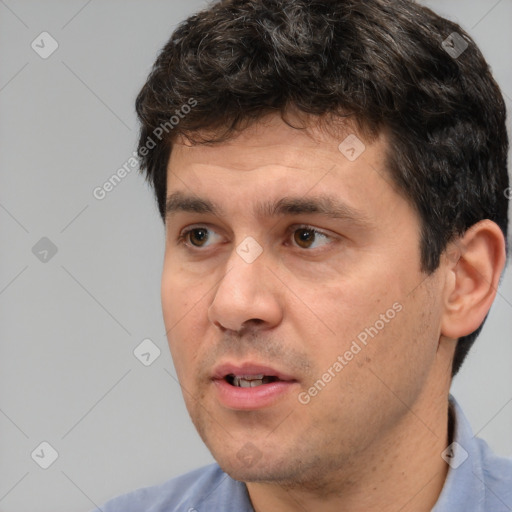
234, 397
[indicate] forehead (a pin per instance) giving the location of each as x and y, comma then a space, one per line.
273, 169
272, 142
271, 159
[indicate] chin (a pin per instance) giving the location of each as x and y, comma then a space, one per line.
251, 465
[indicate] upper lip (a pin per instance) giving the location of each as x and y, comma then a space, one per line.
248, 368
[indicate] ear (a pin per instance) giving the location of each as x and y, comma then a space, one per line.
474, 264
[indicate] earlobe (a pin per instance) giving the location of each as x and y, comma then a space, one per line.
474, 264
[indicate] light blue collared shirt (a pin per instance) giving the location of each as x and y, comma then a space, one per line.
477, 481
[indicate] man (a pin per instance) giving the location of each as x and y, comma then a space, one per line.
332, 176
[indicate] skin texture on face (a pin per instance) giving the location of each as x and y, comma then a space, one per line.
304, 304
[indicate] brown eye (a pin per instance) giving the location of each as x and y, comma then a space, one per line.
304, 237
198, 236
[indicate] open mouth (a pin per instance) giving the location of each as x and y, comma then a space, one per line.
249, 386
249, 381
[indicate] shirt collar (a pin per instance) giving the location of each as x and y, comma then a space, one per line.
464, 487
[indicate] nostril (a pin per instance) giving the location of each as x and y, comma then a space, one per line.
256, 321
246, 326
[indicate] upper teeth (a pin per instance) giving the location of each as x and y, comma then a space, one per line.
249, 381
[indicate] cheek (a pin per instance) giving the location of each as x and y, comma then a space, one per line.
184, 313
368, 321
341, 311
180, 293
401, 355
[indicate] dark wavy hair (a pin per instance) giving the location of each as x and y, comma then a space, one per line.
389, 65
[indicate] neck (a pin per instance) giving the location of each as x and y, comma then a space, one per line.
402, 470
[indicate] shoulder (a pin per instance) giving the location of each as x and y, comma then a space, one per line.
204, 488
477, 480
497, 476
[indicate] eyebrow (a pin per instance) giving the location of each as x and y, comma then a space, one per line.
325, 205
181, 202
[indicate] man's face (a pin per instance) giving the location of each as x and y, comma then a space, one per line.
301, 271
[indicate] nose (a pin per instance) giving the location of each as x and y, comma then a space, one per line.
247, 294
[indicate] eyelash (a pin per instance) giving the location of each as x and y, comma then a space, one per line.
182, 238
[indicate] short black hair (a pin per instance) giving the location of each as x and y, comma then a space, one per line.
389, 65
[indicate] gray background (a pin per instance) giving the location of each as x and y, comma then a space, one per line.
69, 325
